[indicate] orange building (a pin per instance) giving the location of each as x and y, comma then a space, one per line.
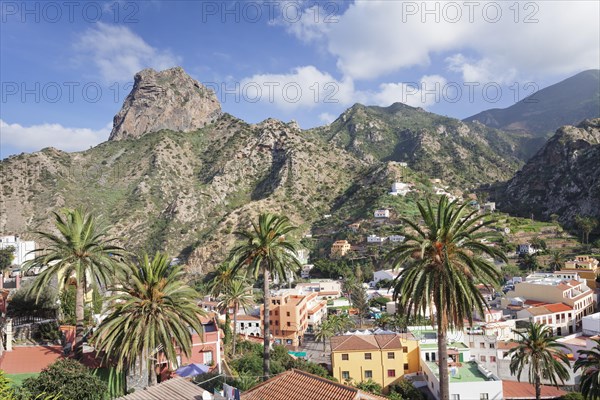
289, 316
340, 248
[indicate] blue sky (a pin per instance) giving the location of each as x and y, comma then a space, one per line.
66, 68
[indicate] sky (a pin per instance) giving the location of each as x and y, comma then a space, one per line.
66, 67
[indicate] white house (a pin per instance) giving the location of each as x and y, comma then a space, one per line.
22, 248
590, 324
305, 271
396, 238
526, 248
248, 325
490, 206
375, 239
400, 188
381, 214
389, 274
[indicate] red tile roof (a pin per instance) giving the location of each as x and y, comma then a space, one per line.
29, 359
558, 307
523, 390
365, 342
172, 389
299, 385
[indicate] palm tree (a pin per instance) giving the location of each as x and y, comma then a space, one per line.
324, 332
546, 358
384, 321
152, 310
238, 294
556, 261
589, 362
442, 264
81, 251
222, 277
266, 249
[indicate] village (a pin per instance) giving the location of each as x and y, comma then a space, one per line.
350, 327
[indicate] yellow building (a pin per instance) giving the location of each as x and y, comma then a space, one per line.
586, 267
340, 248
381, 358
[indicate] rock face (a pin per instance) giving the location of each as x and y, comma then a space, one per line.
168, 99
562, 178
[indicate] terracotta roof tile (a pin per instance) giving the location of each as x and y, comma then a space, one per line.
558, 307
523, 390
299, 385
173, 389
507, 345
366, 342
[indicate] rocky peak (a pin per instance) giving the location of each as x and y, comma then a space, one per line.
168, 99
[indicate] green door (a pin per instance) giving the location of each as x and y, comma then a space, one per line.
461, 357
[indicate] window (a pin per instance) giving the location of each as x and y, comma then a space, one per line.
344, 357
482, 358
391, 355
455, 396
367, 356
287, 313
492, 358
482, 345
345, 374
492, 345
207, 357
368, 374
426, 356
289, 324
406, 366
405, 349
484, 396
391, 373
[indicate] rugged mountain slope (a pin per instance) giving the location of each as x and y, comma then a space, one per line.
184, 192
562, 178
168, 99
186, 187
442, 147
538, 116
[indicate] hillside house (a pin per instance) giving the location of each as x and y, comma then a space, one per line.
375, 239
340, 248
381, 214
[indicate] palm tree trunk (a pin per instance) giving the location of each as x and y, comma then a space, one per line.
235, 311
151, 372
266, 328
538, 388
443, 362
79, 316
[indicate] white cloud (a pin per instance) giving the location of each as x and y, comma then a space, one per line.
375, 38
119, 53
428, 91
327, 118
483, 70
303, 87
37, 137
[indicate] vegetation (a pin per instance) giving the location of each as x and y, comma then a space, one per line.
6, 258
6, 390
540, 353
66, 379
360, 302
80, 252
589, 364
369, 386
237, 295
405, 391
442, 264
25, 304
269, 250
152, 310
586, 225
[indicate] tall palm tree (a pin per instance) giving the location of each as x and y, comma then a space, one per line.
324, 332
589, 362
238, 294
266, 249
152, 310
539, 351
443, 261
81, 251
222, 277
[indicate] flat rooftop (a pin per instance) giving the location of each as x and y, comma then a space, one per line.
459, 345
467, 372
